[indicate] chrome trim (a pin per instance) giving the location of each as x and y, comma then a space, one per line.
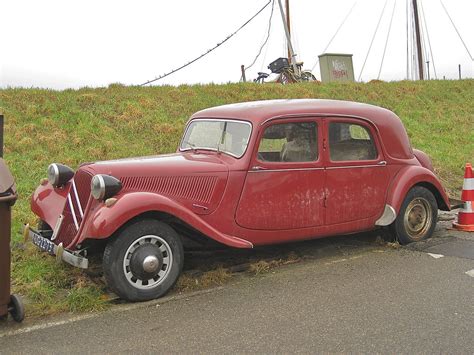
73, 212
61, 253
101, 186
289, 169
200, 206
77, 198
356, 166
215, 149
389, 215
150, 264
57, 227
56, 174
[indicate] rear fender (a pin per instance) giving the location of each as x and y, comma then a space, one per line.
411, 176
104, 221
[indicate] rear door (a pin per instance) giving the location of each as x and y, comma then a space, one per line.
284, 187
356, 172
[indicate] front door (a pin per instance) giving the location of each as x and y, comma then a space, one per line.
284, 187
357, 177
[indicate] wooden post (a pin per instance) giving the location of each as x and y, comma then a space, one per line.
418, 39
242, 69
459, 70
287, 8
1, 136
288, 38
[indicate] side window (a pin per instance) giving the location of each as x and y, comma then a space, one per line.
289, 142
349, 141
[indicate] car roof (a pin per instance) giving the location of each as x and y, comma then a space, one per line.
260, 111
388, 124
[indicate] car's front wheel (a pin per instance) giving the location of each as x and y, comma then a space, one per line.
417, 217
143, 261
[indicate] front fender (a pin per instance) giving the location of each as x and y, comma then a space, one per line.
104, 221
48, 202
410, 176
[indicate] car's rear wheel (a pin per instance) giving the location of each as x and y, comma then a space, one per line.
417, 217
143, 261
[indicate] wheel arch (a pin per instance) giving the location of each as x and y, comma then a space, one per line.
176, 223
107, 221
411, 176
442, 204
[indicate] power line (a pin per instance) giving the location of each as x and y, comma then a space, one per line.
386, 40
266, 39
335, 34
373, 37
209, 50
424, 46
429, 41
452, 22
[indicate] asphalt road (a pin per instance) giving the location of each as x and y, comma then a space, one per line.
368, 298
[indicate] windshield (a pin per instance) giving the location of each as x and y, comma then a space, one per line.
231, 137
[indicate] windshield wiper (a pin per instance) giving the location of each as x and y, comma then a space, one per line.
191, 145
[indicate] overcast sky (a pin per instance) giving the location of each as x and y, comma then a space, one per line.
65, 44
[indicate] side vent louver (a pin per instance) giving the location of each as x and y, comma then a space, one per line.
196, 188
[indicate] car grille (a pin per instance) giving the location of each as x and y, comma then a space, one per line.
74, 208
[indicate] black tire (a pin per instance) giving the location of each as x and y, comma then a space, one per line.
46, 228
42, 225
16, 308
308, 76
145, 239
417, 217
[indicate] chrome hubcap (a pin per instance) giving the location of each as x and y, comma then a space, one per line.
418, 218
147, 262
150, 264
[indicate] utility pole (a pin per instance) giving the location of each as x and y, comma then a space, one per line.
288, 38
1, 136
418, 39
242, 70
287, 7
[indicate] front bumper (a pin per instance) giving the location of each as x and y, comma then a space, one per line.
48, 246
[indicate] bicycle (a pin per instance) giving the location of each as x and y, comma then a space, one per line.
286, 73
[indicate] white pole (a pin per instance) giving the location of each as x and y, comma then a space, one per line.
288, 38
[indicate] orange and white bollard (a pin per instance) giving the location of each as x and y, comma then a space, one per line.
465, 220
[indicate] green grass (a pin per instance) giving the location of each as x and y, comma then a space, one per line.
73, 126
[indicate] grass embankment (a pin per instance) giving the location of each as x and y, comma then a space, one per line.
73, 126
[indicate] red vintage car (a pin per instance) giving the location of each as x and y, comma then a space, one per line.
245, 175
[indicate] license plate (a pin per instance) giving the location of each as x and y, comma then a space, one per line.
42, 243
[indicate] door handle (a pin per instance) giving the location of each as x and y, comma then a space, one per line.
257, 168
382, 163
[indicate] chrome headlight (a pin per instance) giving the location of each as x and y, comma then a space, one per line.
59, 174
104, 186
